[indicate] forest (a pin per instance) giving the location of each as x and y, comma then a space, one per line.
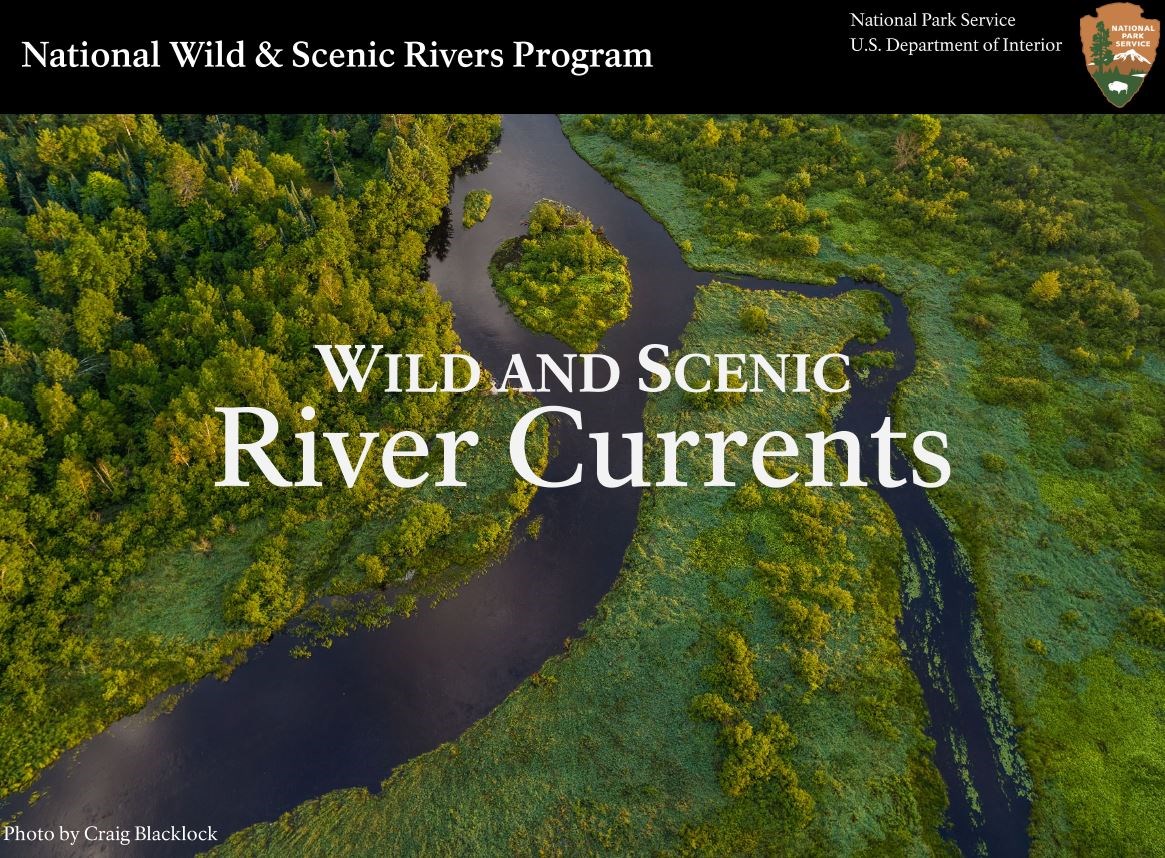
154, 268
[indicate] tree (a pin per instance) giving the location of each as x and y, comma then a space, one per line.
263, 597
20, 450
1047, 287
421, 526
158, 268
545, 216
476, 207
102, 194
56, 408
68, 149
185, 175
905, 150
94, 320
1101, 48
928, 129
917, 141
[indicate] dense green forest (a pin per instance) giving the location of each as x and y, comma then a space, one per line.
1031, 253
563, 277
152, 269
741, 690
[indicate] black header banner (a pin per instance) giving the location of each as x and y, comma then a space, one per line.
875, 58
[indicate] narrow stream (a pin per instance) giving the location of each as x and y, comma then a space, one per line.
284, 730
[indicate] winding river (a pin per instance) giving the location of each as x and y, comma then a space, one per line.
284, 730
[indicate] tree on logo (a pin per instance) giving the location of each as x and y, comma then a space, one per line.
1101, 47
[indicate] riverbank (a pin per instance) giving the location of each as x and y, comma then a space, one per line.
599, 749
545, 736
481, 652
126, 574
1061, 534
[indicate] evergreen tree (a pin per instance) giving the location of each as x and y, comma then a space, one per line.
1101, 48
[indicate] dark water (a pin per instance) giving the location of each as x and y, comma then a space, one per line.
284, 730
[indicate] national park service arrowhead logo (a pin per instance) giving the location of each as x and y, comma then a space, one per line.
1120, 44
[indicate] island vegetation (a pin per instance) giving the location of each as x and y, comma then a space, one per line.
563, 277
153, 268
475, 207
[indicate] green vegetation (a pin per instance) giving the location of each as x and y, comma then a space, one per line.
740, 689
866, 362
754, 319
153, 268
563, 277
1031, 253
475, 207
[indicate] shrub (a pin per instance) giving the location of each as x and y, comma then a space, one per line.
712, 707
711, 400
263, 597
993, 462
754, 319
1013, 390
810, 668
1148, 626
876, 359
754, 755
748, 497
476, 207
1047, 288
734, 661
421, 526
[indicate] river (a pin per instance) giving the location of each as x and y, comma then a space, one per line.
283, 730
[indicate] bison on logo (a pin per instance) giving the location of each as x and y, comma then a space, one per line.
1120, 44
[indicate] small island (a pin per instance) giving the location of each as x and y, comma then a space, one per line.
476, 207
563, 277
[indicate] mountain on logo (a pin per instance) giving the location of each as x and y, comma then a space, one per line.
1131, 55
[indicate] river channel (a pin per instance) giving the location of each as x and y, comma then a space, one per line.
284, 730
